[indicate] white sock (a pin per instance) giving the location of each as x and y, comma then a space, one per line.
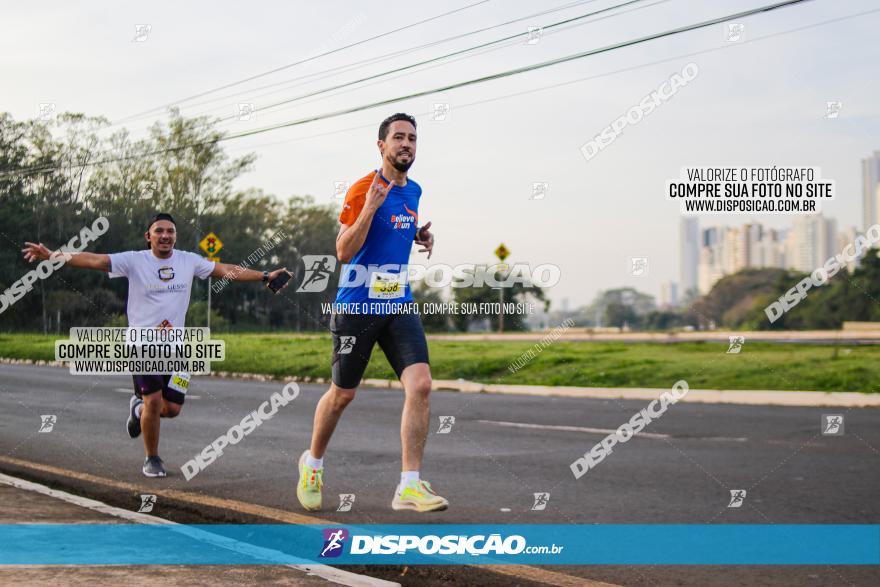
137, 411
314, 463
407, 477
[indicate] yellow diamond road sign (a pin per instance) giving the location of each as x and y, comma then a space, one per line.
211, 244
501, 252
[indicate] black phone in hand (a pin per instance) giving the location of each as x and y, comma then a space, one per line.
279, 281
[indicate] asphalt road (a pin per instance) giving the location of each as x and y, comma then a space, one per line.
499, 452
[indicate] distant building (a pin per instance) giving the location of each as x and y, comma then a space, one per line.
811, 240
668, 295
689, 252
710, 268
846, 237
870, 190
770, 250
724, 250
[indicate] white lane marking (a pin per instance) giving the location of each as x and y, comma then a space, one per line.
129, 392
331, 574
605, 431
571, 428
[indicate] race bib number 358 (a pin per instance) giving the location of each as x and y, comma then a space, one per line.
385, 286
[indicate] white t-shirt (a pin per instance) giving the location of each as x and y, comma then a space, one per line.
159, 289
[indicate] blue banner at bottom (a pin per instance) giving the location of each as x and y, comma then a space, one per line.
440, 544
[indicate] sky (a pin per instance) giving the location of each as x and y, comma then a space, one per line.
757, 101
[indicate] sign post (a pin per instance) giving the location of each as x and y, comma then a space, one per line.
501, 252
211, 244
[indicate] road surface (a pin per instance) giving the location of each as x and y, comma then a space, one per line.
499, 452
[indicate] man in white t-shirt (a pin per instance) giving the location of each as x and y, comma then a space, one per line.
159, 285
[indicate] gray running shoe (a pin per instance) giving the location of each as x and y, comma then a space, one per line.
133, 425
154, 467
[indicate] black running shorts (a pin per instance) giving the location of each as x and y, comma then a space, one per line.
147, 384
400, 336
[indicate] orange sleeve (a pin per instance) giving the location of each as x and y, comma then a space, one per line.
355, 199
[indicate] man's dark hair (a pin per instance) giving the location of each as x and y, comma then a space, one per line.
383, 128
158, 217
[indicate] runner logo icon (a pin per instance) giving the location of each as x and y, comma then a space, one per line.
737, 497
541, 500
319, 268
147, 503
333, 541
346, 344
832, 424
47, 423
346, 500
446, 423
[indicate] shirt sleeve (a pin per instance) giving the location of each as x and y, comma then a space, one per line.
355, 199
202, 268
121, 263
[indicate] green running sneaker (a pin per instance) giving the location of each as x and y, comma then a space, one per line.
419, 496
308, 490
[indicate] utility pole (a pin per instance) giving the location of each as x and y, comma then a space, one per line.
501, 252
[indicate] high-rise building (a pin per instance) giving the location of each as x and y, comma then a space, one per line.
709, 237
870, 190
811, 240
846, 237
724, 250
711, 266
770, 249
689, 252
668, 295
731, 250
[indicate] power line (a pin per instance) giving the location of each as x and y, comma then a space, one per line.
580, 79
379, 58
475, 81
306, 60
519, 70
492, 49
509, 39
577, 80
436, 59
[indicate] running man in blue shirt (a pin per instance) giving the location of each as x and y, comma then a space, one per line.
379, 226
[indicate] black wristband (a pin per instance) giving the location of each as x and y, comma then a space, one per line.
265, 276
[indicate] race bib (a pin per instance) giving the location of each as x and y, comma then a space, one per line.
385, 286
179, 382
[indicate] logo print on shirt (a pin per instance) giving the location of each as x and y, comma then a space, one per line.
404, 221
166, 273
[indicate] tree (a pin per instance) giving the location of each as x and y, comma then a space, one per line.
517, 292
626, 303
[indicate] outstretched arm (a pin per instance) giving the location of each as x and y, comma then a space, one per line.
238, 273
38, 252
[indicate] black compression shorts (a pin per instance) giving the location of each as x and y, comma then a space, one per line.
400, 336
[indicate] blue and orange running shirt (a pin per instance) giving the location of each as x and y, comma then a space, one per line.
372, 280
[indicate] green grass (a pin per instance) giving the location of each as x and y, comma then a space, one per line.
595, 364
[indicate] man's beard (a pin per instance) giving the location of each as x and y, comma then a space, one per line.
401, 166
